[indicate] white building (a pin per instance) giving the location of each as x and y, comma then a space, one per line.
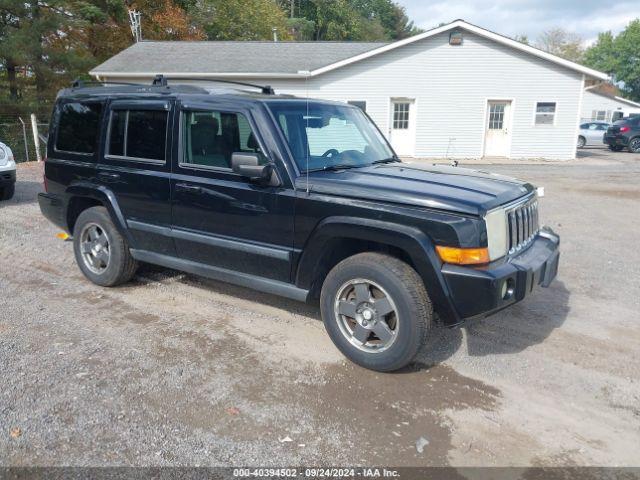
608, 108
456, 91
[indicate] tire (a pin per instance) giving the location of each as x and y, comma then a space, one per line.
581, 141
403, 329
7, 192
615, 148
101, 252
634, 145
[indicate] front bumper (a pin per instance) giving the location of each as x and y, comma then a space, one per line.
7, 177
479, 291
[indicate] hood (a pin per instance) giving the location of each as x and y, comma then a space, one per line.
440, 187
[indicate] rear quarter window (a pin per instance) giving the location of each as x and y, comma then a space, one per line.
78, 127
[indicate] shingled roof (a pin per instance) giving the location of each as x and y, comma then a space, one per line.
230, 57
282, 59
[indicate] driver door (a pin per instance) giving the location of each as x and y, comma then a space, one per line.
218, 217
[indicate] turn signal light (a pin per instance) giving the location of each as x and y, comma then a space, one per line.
463, 256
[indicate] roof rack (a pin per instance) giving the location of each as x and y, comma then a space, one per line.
161, 80
79, 83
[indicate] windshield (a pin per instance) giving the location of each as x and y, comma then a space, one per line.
326, 136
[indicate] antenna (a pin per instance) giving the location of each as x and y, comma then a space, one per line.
306, 74
136, 26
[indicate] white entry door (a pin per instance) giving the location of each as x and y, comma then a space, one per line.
498, 132
402, 131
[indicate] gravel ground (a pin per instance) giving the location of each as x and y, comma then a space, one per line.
173, 369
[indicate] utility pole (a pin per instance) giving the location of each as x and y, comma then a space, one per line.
134, 23
36, 137
293, 4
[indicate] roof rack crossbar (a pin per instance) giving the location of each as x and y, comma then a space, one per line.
162, 80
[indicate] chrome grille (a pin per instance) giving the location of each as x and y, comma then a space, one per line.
522, 220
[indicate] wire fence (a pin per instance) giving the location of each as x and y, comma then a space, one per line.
17, 132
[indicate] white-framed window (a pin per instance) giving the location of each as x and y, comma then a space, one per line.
599, 115
401, 115
545, 113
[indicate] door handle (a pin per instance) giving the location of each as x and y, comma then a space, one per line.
184, 187
111, 175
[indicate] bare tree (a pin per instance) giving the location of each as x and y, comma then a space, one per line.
560, 42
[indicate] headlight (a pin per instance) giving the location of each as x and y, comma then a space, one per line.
4, 157
496, 222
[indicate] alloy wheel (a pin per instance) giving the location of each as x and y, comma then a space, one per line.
94, 246
366, 315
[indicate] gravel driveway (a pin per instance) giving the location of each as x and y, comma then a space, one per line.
173, 369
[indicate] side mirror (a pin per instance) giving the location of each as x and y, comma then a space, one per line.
248, 165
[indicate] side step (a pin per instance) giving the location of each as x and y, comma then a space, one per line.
262, 284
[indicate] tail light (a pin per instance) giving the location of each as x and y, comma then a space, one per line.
625, 129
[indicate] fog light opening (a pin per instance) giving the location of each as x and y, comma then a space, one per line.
508, 289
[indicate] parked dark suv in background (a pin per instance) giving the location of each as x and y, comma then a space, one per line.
624, 133
300, 198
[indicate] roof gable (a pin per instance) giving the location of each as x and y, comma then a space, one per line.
461, 24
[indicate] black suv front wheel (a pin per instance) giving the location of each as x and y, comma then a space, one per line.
376, 310
101, 252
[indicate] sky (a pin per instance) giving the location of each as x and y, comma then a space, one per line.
527, 17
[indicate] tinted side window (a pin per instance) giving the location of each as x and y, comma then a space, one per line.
147, 134
210, 138
78, 127
138, 134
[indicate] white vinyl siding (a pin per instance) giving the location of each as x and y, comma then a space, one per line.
451, 86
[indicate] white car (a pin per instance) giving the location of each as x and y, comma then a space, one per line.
7, 172
592, 133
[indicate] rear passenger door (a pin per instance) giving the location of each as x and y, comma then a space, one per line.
136, 167
220, 218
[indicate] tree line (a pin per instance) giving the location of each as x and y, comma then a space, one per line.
618, 55
46, 44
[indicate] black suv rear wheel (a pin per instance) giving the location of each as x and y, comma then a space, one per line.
101, 252
376, 310
634, 145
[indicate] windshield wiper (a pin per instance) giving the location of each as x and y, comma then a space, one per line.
386, 160
334, 168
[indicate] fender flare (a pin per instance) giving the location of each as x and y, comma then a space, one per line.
414, 242
107, 198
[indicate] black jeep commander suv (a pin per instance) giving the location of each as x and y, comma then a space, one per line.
299, 198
